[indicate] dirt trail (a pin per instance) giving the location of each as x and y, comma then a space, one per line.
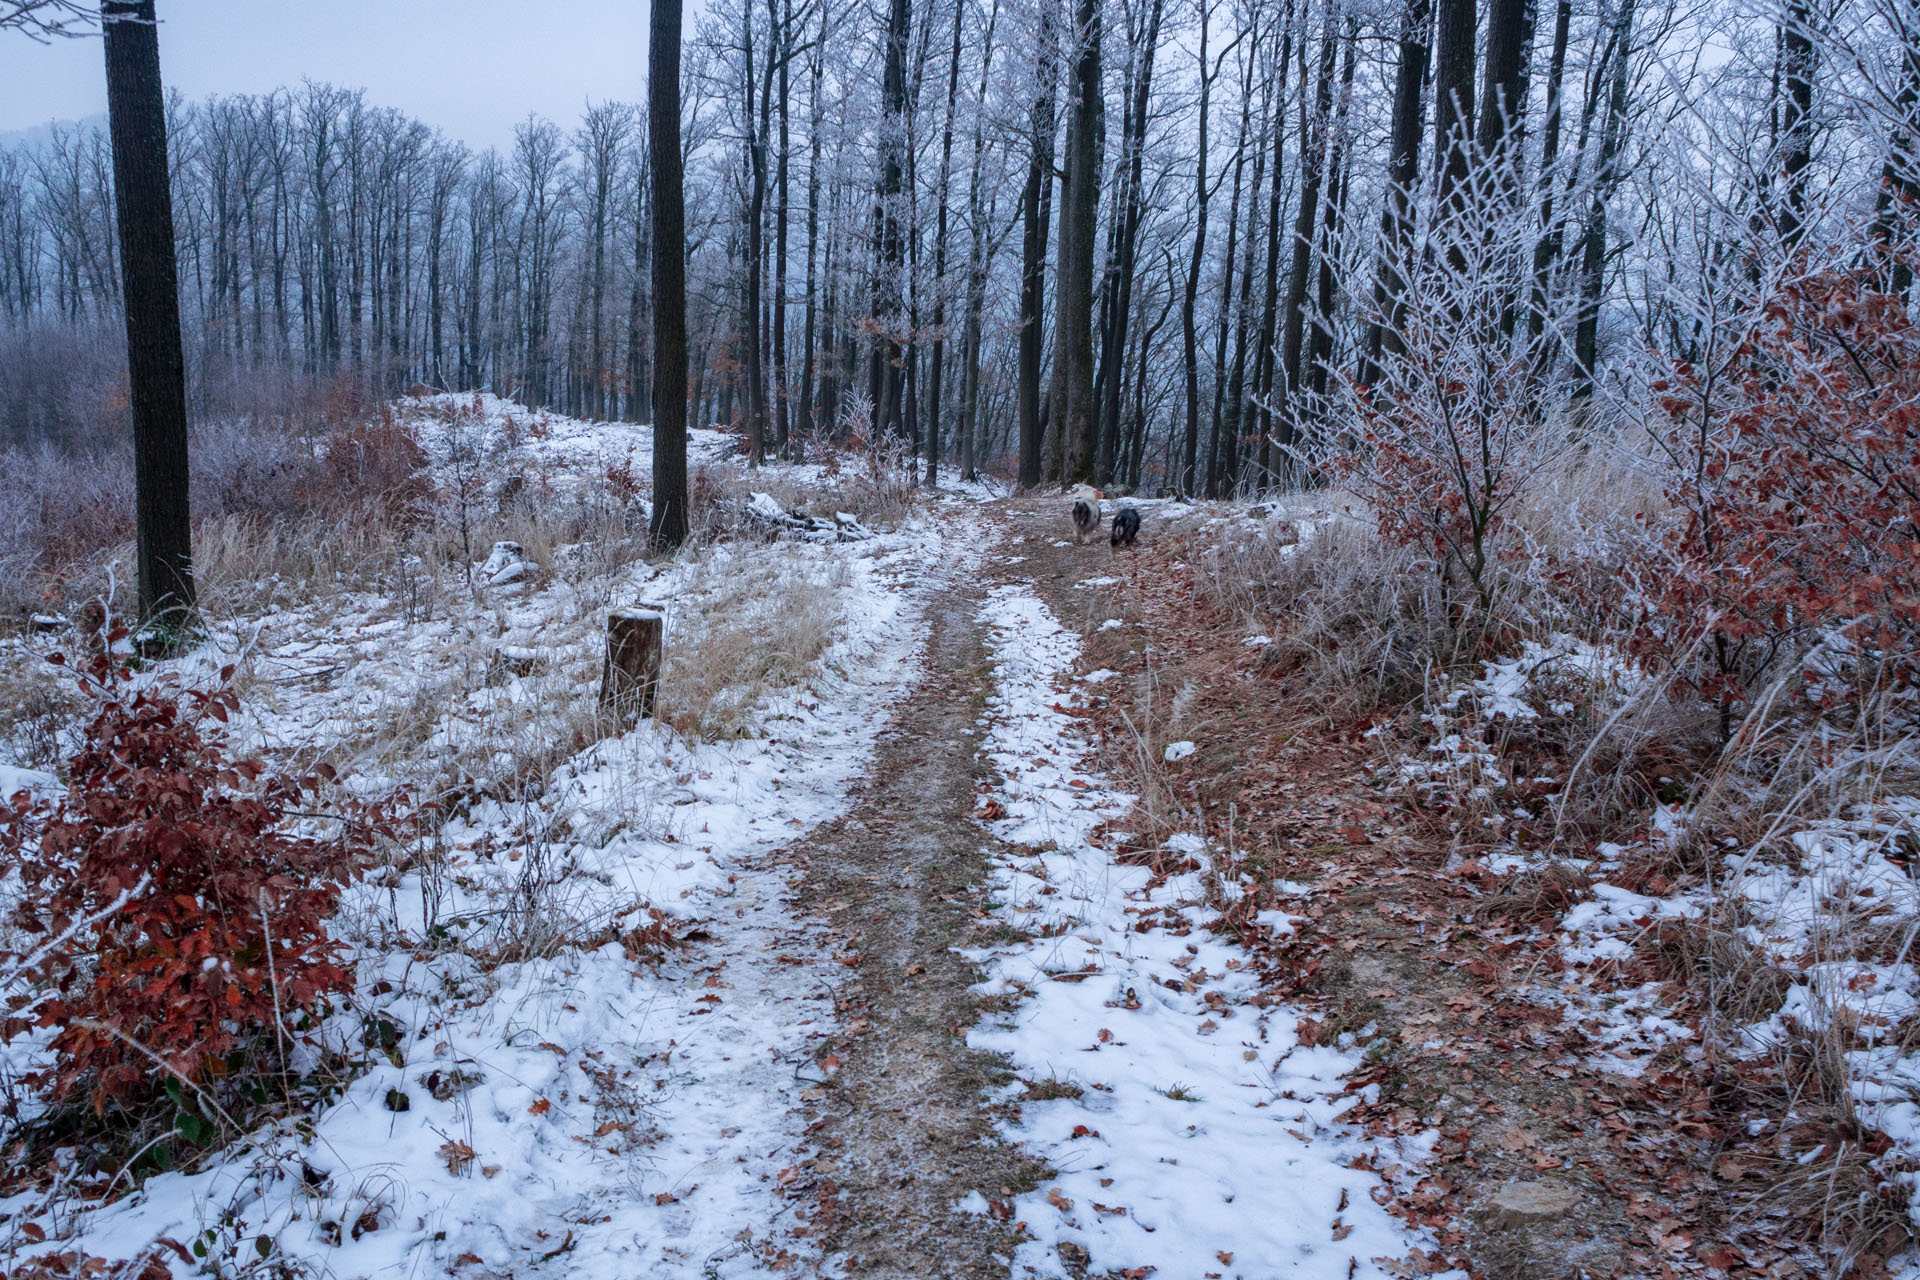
904, 1131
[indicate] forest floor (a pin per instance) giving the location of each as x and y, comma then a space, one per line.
1572, 1131
1037, 926
1033, 1072
1515, 1123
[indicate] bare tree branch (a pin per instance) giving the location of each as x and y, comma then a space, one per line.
43, 20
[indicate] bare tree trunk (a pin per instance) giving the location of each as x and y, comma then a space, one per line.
1403, 172
1586, 339
784, 50
1320, 345
976, 267
156, 369
1036, 207
1453, 125
1183, 481
668, 527
1113, 346
1313, 160
1546, 250
887, 378
1899, 194
940, 254
1796, 125
1076, 414
809, 322
1216, 447
758, 123
1267, 365
1234, 428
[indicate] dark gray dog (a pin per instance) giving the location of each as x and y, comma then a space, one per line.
1126, 527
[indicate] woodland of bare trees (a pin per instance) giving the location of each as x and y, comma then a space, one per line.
1166, 244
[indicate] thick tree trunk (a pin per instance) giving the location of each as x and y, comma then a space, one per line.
1076, 419
1503, 102
668, 526
156, 369
1453, 107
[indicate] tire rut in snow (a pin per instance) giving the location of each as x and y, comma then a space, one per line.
907, 1132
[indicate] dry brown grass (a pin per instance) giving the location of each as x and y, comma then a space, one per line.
749, 625
1357, 622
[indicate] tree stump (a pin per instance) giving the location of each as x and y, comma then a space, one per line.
630, 680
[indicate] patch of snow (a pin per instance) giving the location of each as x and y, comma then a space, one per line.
14, 780
1202, 1129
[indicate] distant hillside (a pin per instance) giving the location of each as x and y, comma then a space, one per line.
36, 135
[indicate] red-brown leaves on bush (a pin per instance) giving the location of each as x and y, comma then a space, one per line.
1796, 476
1448, 440
173, 919
376, 461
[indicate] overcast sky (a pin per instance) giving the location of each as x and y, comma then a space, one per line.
474, 68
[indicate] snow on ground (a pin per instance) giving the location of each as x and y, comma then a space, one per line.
544, 442
1827, 906
1190, 1130
555, 1093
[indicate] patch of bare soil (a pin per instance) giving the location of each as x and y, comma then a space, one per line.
902, 1129
1546, 1167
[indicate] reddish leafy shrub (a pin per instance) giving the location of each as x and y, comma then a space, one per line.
1459, 418
1795, 478
177, 920
622, 483
380, 461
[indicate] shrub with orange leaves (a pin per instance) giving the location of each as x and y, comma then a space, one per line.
175, 922
1794, 474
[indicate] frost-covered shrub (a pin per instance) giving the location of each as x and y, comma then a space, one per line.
1794, 477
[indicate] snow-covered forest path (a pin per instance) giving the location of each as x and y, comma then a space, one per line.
1021, 975
907, 1133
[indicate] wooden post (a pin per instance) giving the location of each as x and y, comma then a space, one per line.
630, 680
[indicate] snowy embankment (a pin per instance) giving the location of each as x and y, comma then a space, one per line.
1191, 1131
542, 1084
